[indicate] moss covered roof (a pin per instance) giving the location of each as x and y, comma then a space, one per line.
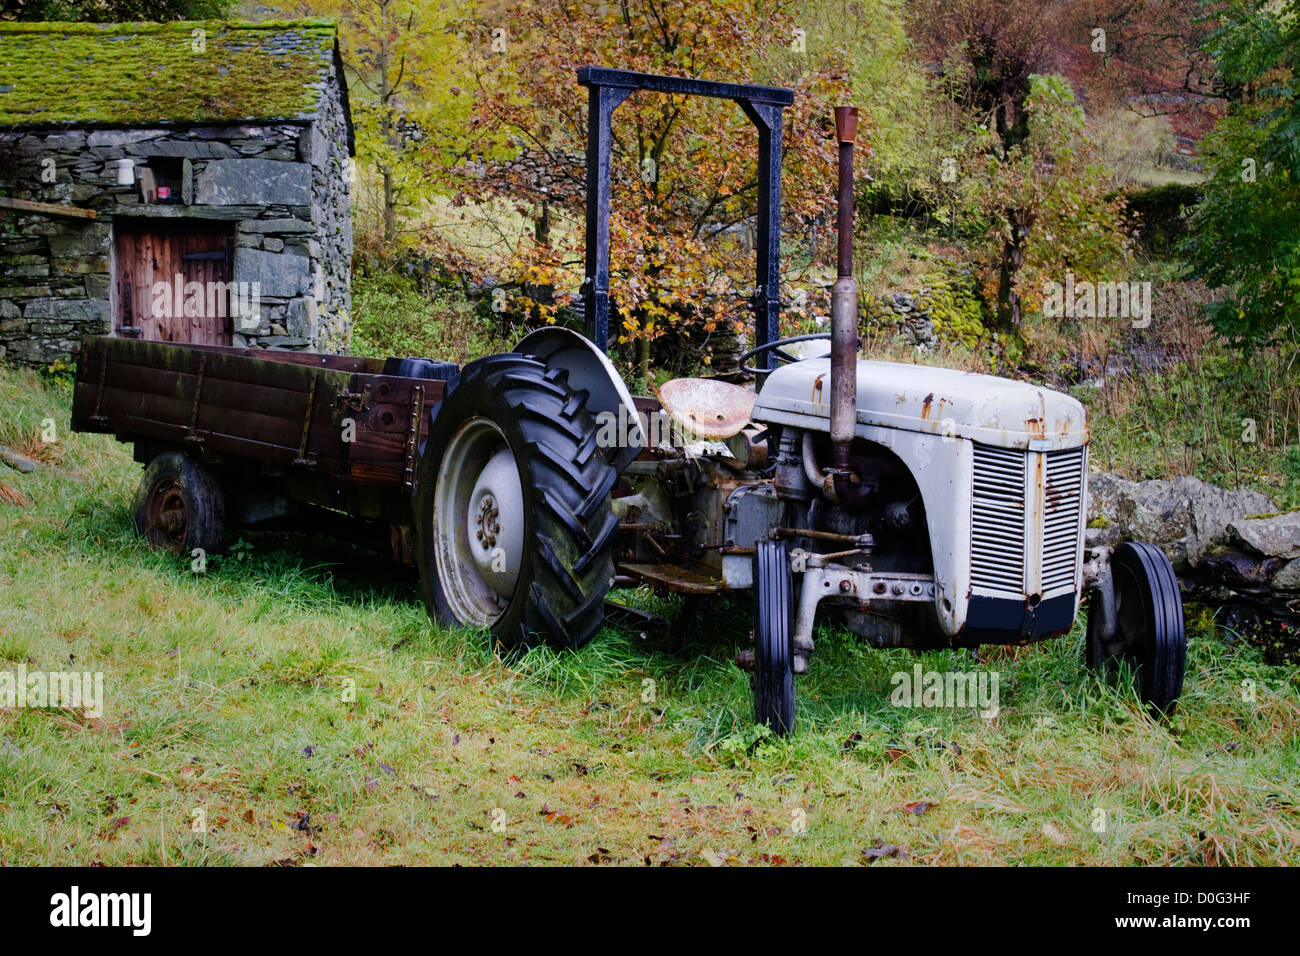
141, 73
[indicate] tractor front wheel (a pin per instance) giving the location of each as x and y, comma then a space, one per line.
773, 677
1149, 631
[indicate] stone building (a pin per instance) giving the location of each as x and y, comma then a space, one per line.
180, 182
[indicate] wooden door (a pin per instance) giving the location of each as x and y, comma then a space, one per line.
155, 267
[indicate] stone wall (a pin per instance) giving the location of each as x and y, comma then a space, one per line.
1231, 549
284, 186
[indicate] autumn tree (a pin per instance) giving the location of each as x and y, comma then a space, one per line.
684, 171
1052, 186
1245, 236
1149, 55
988, 50
403, 67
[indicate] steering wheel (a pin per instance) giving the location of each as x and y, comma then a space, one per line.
777, 348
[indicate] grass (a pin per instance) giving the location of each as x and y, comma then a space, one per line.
299, 706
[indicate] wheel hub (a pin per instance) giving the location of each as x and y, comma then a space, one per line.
496, 525
167, 517
478, 518
486, 520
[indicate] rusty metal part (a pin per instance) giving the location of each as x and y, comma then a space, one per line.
748, 448
707, 408
858, 540
166, 516
674, 578
354, 401
844, 308
192, 436
302, 457
866, 590
649, 539
1097, 577
412, 435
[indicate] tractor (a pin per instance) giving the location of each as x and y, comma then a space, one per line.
918, 507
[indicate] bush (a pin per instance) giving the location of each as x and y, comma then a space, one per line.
1159, 215
392, 317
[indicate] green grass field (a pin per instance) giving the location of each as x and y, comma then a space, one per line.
294, 707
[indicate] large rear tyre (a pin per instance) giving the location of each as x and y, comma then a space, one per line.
773, 679
179, 505
513, 522
1149, 633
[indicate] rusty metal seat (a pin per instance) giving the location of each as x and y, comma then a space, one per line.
706, 407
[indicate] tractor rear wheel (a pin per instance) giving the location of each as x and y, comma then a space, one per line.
773, 677
513, 522
1149, 630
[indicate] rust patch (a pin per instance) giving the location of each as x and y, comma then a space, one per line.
818, 384
925, 406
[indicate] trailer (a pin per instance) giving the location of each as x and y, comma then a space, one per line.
247, 438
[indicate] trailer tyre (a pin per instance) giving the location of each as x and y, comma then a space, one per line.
514, 527
1150, 633
773, 678
179, 505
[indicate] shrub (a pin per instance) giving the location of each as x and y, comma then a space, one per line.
392, 317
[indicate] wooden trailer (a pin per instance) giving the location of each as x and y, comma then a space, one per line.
276, 429
487, 477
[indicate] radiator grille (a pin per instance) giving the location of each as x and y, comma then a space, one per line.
1064, 499
998, 520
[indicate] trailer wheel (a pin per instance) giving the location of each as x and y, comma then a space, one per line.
179, 505
1150, 633
514, 526
773, 678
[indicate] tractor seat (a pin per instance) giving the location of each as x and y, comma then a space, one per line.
707, 407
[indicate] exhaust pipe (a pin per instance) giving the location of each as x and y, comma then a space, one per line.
844, 308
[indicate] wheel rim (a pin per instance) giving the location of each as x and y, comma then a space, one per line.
478, 523
1132, 630
167, 516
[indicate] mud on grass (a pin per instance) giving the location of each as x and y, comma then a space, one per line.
291, 709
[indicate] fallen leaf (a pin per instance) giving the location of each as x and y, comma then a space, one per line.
880, 850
